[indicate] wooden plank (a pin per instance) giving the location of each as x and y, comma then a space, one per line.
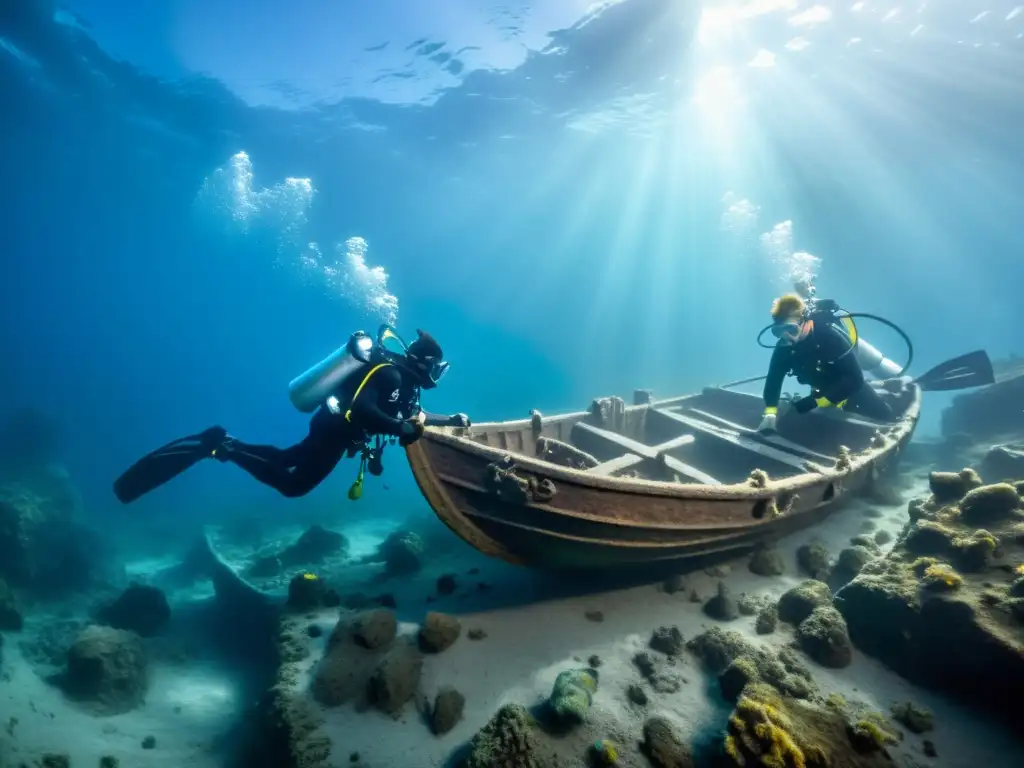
616, 465
825, 413
688, 471
776, 440
741, 441
629, 445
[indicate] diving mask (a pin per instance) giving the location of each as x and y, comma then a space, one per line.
433, 369
787, 332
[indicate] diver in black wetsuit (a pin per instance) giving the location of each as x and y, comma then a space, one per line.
815, 349
378, 397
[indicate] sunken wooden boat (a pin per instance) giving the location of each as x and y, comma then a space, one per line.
656, 481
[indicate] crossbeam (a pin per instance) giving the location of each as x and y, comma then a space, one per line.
657, 453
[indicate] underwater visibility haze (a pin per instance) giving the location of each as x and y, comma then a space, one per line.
576, 200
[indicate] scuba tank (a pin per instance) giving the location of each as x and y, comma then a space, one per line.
309, 390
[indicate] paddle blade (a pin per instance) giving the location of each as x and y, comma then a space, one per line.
971, 370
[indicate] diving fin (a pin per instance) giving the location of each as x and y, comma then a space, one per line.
167, 462
971, 370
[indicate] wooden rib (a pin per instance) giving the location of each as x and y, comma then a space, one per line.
741, 441
684, 469
629, 445
776, 440
616, 465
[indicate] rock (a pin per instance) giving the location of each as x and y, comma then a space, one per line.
55, 760
813, 559
509, 739
913, 717
667, 640
447, 710
395, 680
447, 584
767, 562
767, 620
140, 609
883, 537
11, 619
823, 636
265, 567
594, 616
1004, 463
927, 537
572, 695
798, 603
849, 563
387, 600
439, 632
989, 503
737, 676
314, 546
989, 413
402, 552
314, 630
106, 670
674, 584
749, 605
109, 761
476, 634
374, 629
722, 606
949, 487
305, 592
663, 745
928, 747
636, 694
149, 742
867, 542
976, 552
719, 648
694, 597
594, 660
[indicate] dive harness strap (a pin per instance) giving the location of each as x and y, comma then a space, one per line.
366, 378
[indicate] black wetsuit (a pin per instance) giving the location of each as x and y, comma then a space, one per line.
388, 398
824, 361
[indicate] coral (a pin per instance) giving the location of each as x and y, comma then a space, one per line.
663, 746
759, 730
722, 606
824, 637
798, 603
921, 564
949, 487
106, 670
813, 559
314, 546
767, 561
402, 552
572, 695
940, 577
140, 609
737, 676
439, 632
913, 717
508, 740
447, 710
869, 736
667, 640
989, 503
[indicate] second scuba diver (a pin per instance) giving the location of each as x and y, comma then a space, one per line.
361, 393
814, 347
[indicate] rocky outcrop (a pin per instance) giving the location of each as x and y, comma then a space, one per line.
402, 553
509, 739
106, 670
1004, 462
11, 619
943, 608
738, 663
991, 412
140, 609
314, 546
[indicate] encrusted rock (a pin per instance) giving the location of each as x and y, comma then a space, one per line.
989, 503
824, 637
509, 739
913, 717
315, 545
572, 695
814, 560
664, 747
439, 632
949, 487
395, 680
798, 603
927, 537
447, 710
106, 670
849, 563
141, 609
767, 620
766, 561
11, 619
722, 606
402, 552
375, 629
667, 640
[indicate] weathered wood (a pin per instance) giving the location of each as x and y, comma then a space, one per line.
690, 473
776, 440
740, 441
617, 465
629, 445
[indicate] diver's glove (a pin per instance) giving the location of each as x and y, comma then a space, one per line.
459, 420
411, 431
767, 424
805, 404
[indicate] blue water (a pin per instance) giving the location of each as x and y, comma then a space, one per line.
544, 185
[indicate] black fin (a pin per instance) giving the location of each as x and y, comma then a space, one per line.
165, 463
971, 370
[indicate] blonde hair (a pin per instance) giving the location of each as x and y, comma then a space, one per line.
786, 305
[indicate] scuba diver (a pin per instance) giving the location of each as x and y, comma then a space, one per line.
816, 347
361, 393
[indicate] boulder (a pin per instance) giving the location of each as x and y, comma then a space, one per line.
572, 695
141, 609
314, 546
439, 632
106, 670
447, 710
402, 553
1004, 462
799, 602
823, 636
990, 412
664, 746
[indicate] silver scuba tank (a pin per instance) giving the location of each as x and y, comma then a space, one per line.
874, 362
309, 390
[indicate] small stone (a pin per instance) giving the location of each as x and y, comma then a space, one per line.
476, 634
663, 746
824, 637
749, 605
644, 663
149, 742
915, 718
594, 616
813, 559
447, 711
767, 562
473, 571
375, 629
694, 597
798, 603
767, 620
868, 526
722, 606
929, 748
354, 757
883, 537
109, 761
313, 630
483, 586
594, 661
439, 632
636, 694
674, 584
54, 760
